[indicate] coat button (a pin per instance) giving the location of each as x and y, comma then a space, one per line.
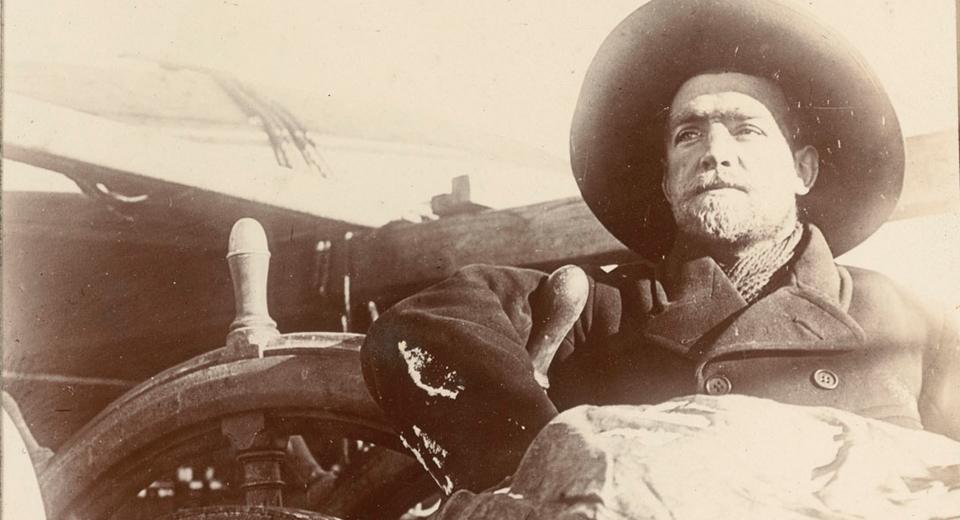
717, 385
826, 379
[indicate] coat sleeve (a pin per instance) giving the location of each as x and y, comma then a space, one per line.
479, 319
940, 396
449, 368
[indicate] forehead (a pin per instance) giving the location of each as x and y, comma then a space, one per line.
727, 94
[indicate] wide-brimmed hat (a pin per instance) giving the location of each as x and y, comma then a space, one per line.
617, 139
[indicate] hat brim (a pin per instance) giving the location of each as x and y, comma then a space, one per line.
617, 137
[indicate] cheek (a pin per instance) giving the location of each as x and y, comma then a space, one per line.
679, 174
672, 185
772, 170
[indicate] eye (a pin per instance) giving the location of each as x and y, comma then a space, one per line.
749, 130
686, 135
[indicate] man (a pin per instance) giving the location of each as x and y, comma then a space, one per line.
738, 146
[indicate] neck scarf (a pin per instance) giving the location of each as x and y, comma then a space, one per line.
752, 272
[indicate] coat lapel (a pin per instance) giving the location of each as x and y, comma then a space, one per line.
702, 298
707, 317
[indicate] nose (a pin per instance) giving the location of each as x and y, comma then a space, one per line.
721, 148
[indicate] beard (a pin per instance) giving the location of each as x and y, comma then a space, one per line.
735, 217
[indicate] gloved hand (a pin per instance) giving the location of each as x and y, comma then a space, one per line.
556, 307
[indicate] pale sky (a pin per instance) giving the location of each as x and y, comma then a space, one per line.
507, 67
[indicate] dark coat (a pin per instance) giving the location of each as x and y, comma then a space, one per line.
828, 335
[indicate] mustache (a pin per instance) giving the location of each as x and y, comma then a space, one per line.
714, 182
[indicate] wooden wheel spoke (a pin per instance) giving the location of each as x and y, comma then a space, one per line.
386, 482
260, 452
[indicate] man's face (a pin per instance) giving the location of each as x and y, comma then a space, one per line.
731, 175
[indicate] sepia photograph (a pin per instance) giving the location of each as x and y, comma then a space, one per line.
499, 260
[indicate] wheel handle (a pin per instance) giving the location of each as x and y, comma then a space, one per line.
249, 259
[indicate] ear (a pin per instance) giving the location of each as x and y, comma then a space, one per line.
807, 164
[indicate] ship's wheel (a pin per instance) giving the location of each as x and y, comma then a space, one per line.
243, 402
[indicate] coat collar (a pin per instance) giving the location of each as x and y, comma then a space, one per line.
703, 315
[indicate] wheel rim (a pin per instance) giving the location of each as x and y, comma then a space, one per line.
303, 383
